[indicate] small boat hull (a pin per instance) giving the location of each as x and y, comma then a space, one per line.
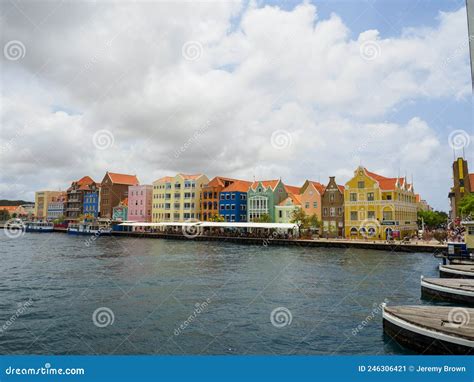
456, 271
39, 230
407, 326
449, 290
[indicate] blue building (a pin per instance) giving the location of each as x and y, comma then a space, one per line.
233, 201
91, 203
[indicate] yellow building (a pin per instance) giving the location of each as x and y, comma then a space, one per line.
177, 199
377, 207
42, 199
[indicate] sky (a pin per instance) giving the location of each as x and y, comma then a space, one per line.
254, 90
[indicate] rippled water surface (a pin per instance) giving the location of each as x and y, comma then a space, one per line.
185, 297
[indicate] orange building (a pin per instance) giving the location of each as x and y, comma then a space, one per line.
310, 195
210, 196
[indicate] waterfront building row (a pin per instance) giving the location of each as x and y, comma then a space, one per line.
368, 205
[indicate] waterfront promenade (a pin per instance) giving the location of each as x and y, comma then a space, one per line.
398, 246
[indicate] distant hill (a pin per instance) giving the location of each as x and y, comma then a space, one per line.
5, 202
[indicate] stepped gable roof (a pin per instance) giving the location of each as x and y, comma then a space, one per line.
266, 183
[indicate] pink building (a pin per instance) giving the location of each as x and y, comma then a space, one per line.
139, 203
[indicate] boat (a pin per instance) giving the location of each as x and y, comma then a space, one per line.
451, 290
39, 226
431, 329
88, 229
456, 271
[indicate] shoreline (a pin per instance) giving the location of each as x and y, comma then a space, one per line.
321, 243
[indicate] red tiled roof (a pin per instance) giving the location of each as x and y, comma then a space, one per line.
320, 187
386, 183
190, 176
292, 189
9, 208
295, 199
130, 180
266, 183
341, 188
238, 186
124, 202
219, 181
85, 180
164, 179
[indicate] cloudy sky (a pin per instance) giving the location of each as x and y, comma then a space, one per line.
297, 90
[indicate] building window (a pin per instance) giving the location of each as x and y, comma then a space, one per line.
232, 196
370, 214
331, 197
354, 215
387, 215
325, 211
332, 211
353, 197
361, 184
339, 211
280, 214
315, 204
306, 205
370, 196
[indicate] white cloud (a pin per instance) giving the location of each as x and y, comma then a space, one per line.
121, 68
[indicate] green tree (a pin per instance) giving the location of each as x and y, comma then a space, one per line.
217, 218
466, 205
300, 218
265, 218
4, 215
314, 222
432, 219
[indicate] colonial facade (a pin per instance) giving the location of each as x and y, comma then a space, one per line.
233, 201
120, 212
140, 202
377, 207
284, 210
177, 199
75, 197
311, 198
333, 209
210, 196
262, 198
56, 208
91, 203
114, 189
42, 200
